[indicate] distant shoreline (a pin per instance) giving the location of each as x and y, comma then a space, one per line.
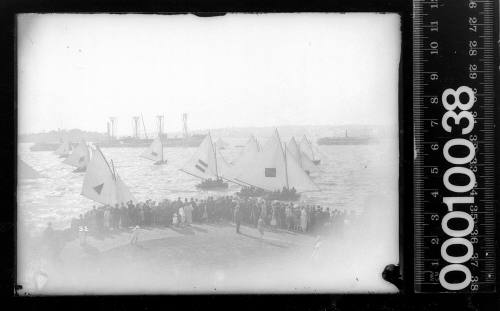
312, 131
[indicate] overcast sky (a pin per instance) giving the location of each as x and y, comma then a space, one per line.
238, 70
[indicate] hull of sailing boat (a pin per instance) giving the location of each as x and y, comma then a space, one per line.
160, 162
316, 162
283, 197
252, 194
218, 186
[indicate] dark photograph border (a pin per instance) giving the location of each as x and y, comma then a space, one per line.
400, 274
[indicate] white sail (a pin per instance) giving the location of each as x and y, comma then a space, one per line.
309, 149
245, 158
24, 171
304, 161
123, 194
154, 151
102, 185
203, 163
297, 178
274, 168
253, 145
80, 157
223, 166
64, 149
221, 144
251, 149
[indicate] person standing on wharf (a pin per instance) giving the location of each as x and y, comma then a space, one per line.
237, 216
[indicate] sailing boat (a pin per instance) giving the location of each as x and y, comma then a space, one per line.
245, 158
79, 158
24, 171
208, 165
275, 169
155, 152
221, 145
253, 145
64, 149
311, 151
103, 184
304, 161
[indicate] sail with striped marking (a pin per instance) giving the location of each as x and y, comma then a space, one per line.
204, 163
154, 151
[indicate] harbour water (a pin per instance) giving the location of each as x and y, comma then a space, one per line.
351, 176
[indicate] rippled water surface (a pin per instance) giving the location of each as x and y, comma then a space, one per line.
350, 176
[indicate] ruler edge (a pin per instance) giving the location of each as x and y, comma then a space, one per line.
417, 69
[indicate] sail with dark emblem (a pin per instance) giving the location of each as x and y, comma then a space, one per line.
102, 183
274, 169
80, 157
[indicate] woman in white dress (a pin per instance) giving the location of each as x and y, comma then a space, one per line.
182, 215
175, 220
135, 235
107, 217
188, 211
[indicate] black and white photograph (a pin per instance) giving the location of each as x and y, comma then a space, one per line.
178, 154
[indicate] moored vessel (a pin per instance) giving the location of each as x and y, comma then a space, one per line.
346, 140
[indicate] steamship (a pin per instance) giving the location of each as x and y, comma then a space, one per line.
346, 140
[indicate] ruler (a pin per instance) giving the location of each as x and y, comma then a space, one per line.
454, 134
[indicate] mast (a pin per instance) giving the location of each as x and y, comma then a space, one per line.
160, 133
259, 148
215, 155
312, 149
97, 149
284, 158
144, 126
114, 172
161, 143
136, 126
308, 142
112, 127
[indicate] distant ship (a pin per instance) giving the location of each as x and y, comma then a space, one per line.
186, 140
48, 146
45, 146
129, 142
346, 140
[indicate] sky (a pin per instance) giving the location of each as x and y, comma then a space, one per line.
238, 70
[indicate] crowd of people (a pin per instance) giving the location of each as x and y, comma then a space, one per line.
284, 194
254, 212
